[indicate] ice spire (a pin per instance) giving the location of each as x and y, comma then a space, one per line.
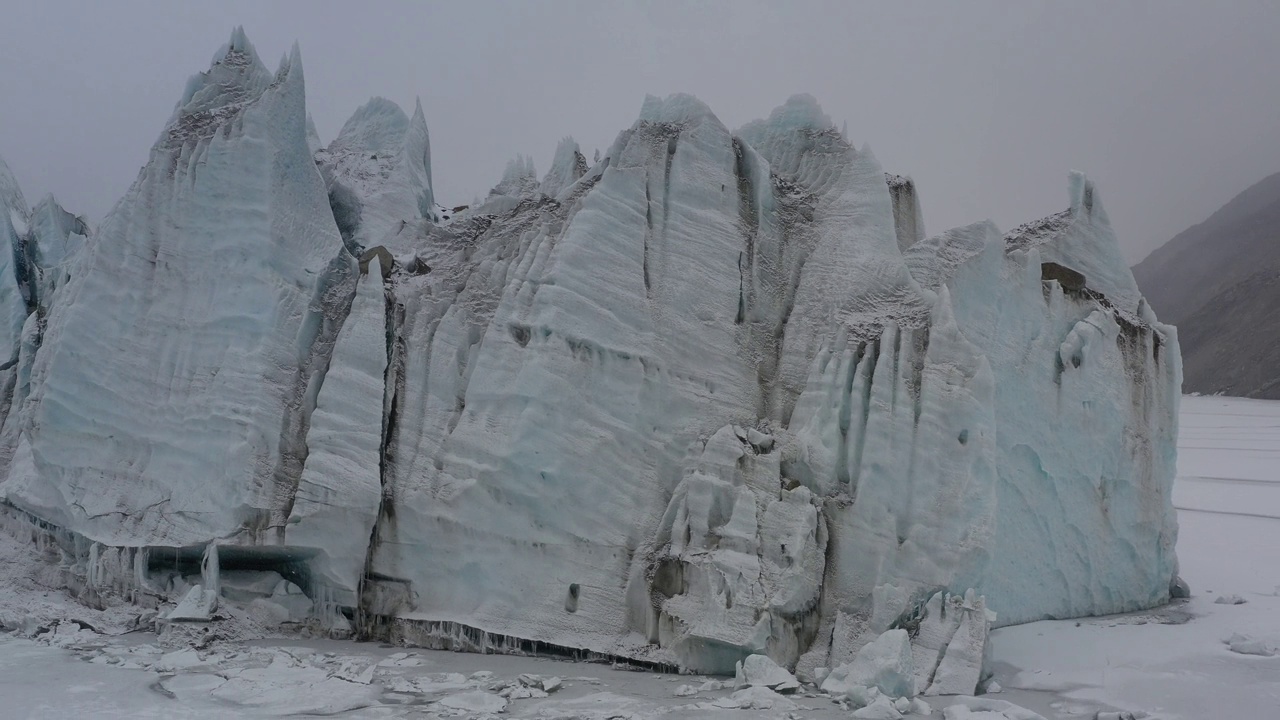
1081, 239
568, 165
56, 238
908, 219
13, 226
313, 137
520, 179
418, 159
236, 75
11, 201
378, 171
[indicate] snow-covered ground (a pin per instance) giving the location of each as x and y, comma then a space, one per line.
1171, 663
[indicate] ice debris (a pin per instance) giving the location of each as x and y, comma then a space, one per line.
882, 708
752, 698
884, 663
950, 644
760, 671
1245, 645
474, 701
197, 604
977, 708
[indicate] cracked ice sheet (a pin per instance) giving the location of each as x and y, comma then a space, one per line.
1182, 671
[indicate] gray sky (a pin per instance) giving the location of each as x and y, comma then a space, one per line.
1173, 107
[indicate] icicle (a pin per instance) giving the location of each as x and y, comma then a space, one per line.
140, 558
91, 571
209, 576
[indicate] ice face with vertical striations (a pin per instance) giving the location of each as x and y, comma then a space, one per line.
715, 395
378, 171
338, 494
213, 284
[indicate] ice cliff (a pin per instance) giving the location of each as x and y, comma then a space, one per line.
715, 395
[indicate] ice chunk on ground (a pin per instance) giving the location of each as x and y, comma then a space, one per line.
960, 669
973, 708
884, 663
882, 708
1230, 600
760, 671
178, 660
197, 604
1246, 645
752, 698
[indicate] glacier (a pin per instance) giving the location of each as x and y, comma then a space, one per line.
714, 395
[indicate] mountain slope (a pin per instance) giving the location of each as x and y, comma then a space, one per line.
1216, 282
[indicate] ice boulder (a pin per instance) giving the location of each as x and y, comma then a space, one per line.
882, 708
884, 664
760, 671
973, 708
474, 701
197, 604
752, 698
950, 644
960, 669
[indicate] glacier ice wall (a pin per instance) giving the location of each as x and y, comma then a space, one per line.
715, 394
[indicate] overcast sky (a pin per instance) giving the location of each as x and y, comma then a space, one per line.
1173, 107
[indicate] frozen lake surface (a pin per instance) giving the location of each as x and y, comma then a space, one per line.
1170, 663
